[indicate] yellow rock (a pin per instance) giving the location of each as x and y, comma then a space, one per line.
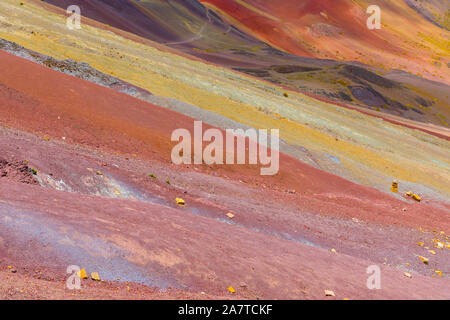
95, 276
230, 215
409, 193
439, 245
231, 289
82, 274
432, 251
333, 250
180, 201
420, 244
406, 274
424, 260
438, 272
394, 187
416, 197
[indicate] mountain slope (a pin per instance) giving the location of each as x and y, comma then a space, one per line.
126, 225
86, 175
190, 27
336, 29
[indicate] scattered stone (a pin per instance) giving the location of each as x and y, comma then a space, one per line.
432, 251
438, 272
409, 193
420, 244
82, 274
329, 293
424, 260
152, 176
406, 274
99, 173
180, 202
231, 289
243, 285
95, 276
416, 197
230, 215
394, 187
333, 250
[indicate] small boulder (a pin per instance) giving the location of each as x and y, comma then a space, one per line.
82, 274
329, 293
95, 276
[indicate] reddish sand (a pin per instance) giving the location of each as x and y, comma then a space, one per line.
195, 248
270, 20
91, 115
336, 29
195, 252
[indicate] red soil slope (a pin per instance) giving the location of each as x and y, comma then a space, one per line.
195, 252
269, 22
155, 241
45, 102
336, 29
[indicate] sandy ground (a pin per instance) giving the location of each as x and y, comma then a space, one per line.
108, 216
86, 179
